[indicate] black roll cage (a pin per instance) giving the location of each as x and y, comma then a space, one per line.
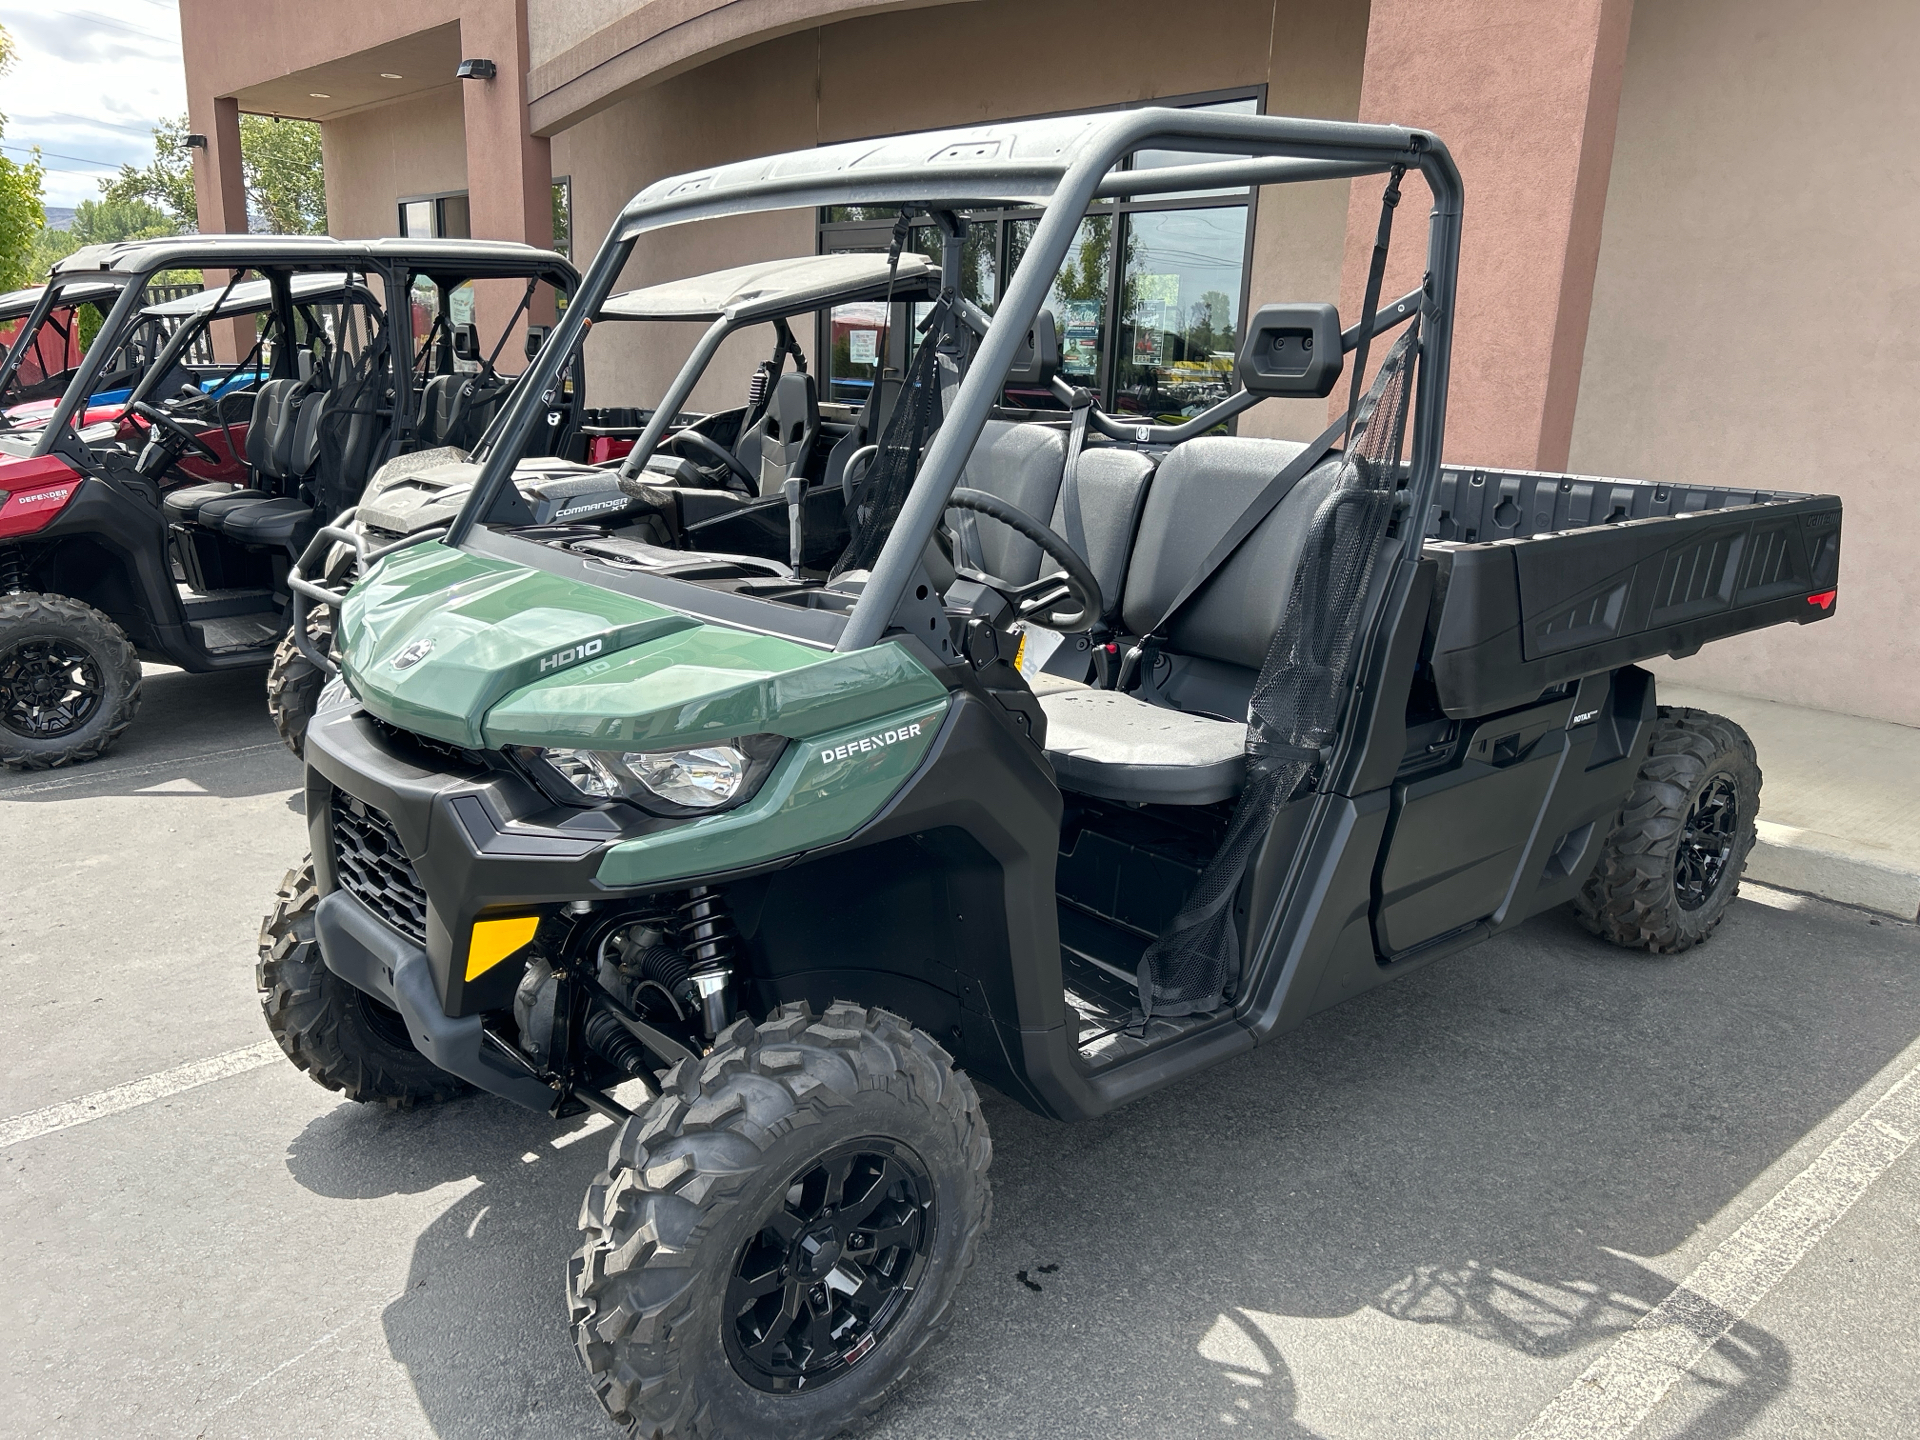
395, 262
1072, 165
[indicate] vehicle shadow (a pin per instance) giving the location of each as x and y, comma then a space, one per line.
1418, 1214
195, 734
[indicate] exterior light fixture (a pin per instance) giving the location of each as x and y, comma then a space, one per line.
476, 70
196, 142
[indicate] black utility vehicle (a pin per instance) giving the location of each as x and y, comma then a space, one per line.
153, 500
1104, 751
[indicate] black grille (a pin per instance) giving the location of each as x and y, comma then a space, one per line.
370, 864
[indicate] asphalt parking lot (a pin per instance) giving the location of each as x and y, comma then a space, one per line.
1440, 1210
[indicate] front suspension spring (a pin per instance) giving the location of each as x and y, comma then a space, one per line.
13, 574
706, 930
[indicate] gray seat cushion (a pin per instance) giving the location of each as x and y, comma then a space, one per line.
264, 522
183, 506
1118, 747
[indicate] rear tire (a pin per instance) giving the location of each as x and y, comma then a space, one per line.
341, 1036
1673, 863
294, 684
836, 1169
69, 682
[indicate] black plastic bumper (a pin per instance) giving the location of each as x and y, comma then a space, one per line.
479, 844
364, 952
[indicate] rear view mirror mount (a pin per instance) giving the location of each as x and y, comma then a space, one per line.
1037, 360
1292, 351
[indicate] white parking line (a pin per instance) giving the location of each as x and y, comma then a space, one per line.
1615, 1393
97, 773
135, 1093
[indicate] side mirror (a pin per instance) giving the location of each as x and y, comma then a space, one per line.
466, 342
1037, 360
1292, 351
536, 337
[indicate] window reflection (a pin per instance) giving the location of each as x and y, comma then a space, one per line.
1180, 310
1078, 300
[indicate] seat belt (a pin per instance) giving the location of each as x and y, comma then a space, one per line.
1278, 488
1076, 535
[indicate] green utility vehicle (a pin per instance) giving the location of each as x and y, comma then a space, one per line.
715, 482
1101, 752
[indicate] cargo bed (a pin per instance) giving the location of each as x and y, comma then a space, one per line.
1544, 577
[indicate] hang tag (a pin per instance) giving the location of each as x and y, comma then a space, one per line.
1037, 644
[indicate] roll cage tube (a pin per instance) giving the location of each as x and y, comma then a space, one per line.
1286, 150
35, 318
132, 294
676, 396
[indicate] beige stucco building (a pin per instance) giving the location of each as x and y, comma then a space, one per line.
1687, 240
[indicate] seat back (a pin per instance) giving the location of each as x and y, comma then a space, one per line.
1109, 491
1022, 464
438, 413
1223, 632
787, 430
1025, 464
304, 451
265, 449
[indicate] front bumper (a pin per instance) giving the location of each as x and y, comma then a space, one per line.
365, 952
476, 846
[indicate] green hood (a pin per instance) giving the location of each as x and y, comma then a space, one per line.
483, 652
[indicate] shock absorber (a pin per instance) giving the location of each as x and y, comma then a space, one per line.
706, 937
13, 574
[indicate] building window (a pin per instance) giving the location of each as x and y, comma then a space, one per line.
436, 217
1149, 303
563, 215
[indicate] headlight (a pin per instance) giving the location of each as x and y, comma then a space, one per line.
698, 778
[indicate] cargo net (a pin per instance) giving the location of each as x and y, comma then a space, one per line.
1294, 714
882, 490
349, 427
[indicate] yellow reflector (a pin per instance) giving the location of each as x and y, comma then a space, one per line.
494, 940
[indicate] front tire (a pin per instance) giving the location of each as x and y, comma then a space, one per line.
1673, 863
69, 682
780, 1234
341, 1036
294, 684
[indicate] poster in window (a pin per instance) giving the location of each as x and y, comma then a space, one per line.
863, 347
1080, 337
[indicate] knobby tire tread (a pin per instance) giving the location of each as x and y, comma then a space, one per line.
120, 667
1629, 898
307, 1011
645, 1217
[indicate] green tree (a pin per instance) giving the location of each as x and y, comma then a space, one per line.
280, 164
166, 182
100, 222
22, 213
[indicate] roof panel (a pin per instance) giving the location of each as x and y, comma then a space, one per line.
771, 287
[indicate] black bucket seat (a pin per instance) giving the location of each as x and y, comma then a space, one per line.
1180, 738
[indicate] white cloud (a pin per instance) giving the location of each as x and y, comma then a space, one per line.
88, 86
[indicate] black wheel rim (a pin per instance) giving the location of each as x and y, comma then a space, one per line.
48, 688
833, 1269
1706, 843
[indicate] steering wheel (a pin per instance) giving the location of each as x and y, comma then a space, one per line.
158, 417
1043, 601
717, 454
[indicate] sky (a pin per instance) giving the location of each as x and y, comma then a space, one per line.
87, 87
